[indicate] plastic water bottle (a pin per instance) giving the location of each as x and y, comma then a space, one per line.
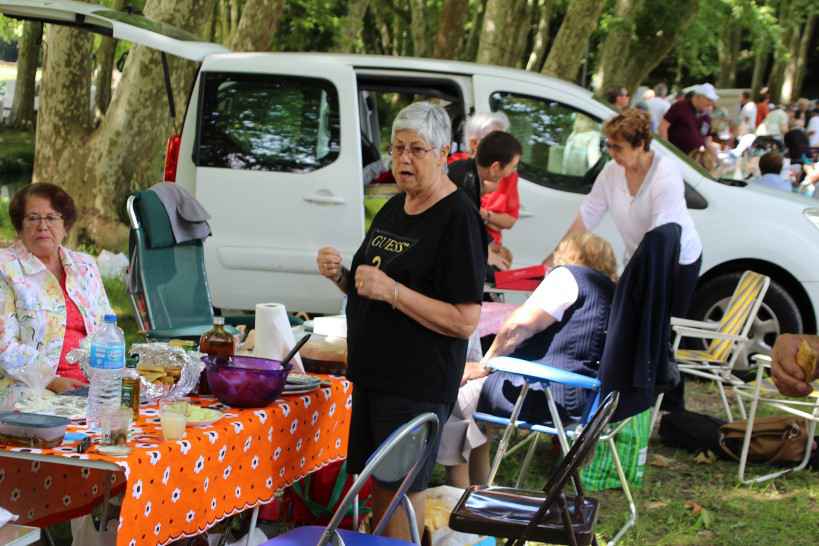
107, 363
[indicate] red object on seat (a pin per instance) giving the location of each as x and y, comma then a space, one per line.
523, 278
315, 498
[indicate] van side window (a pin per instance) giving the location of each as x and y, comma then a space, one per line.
561, 146
267, 123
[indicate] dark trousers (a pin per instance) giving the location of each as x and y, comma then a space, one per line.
685, 281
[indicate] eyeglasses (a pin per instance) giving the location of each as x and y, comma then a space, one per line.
418, 152
613, 147
35, 219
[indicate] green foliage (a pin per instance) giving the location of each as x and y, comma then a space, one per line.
9, 29
309, 25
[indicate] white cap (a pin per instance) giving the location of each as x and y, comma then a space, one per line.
706, 90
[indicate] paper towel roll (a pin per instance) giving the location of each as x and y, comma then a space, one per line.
274, 337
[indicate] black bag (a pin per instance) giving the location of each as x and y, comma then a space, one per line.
691, 431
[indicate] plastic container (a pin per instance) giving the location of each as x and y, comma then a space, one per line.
106, 363
246, 381
31, 429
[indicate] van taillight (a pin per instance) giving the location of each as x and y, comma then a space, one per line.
172, 157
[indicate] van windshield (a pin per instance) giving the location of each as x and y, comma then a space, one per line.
267, 122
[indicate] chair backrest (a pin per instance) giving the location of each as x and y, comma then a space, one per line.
740, 313
579, 453
398, 459
171, 278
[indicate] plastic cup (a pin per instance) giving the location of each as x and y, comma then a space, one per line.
173, 414
114, 425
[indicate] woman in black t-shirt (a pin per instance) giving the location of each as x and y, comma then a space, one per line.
414, 294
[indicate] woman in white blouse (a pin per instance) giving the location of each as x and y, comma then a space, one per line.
642, 190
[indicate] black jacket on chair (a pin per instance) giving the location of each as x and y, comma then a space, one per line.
635, 357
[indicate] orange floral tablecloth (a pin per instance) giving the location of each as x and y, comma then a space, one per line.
180, 488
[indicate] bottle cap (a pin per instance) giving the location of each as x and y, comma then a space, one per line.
110, 318
219, 321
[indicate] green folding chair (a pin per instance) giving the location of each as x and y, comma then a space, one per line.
167, 284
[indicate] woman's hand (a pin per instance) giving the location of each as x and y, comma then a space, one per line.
372, 283
328, 261
787, 375
64, 384
473, 370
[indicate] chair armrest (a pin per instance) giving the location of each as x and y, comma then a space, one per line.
706, 334
538, 371
688, 323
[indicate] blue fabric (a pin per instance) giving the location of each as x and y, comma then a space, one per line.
309, 536
774, 181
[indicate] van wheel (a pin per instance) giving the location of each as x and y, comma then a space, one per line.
778, 313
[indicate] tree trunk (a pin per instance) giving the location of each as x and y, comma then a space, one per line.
22, 109
105, 67
349, 38
473, 42
450, 34
786, 91
780, 50
760, 66
804, 46
419, 27
101, 167
541, 41
643, 37
498, 40
258, 25
728, 53
519, 23
566, 54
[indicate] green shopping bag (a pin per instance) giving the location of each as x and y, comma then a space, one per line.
632, 446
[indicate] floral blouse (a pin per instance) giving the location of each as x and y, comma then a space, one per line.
32, 305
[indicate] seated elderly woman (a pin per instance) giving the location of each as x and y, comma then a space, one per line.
563, 324
50, 297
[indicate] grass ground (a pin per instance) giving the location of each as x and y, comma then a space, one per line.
16, 152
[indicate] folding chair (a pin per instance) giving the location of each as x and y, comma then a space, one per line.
401, 455
537, 372
765, 391
168, 285
728, 337
553, 518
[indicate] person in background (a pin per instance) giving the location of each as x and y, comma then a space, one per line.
796, 141
51, 297
500, 208
658, 105
643, 190
564, 323
770, 165
762, 105
683, 124
812, 128
775, 124
414, 298
747, 114
618, 98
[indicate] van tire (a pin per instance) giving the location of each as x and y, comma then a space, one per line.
778, 313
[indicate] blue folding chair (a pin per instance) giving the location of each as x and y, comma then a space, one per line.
401, 455
537, 372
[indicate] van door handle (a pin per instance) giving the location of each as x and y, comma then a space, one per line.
324, 197
524, 213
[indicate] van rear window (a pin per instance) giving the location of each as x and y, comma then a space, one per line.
267, 123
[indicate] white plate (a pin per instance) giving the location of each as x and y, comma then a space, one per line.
214, 415
300, 390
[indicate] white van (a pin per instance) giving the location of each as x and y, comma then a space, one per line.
274, 144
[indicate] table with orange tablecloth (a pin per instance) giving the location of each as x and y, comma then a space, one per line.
181, 488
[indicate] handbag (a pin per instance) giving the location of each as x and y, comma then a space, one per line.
777, 439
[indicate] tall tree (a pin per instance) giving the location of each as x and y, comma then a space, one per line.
257, 25
728, 51
640, 35
470, 52
541, 39
498, 40
571, 42
22, 108
349, 37
105, 66
99, 167
804, 53
419, 27
451, 29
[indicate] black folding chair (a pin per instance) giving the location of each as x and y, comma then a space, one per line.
550, 516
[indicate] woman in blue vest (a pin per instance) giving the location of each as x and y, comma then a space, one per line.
563, 323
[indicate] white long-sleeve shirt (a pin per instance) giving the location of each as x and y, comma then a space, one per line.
660, 200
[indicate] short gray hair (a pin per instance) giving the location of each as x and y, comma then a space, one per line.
430, 121
481, 124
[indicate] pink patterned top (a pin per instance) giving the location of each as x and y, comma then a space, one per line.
33, 314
